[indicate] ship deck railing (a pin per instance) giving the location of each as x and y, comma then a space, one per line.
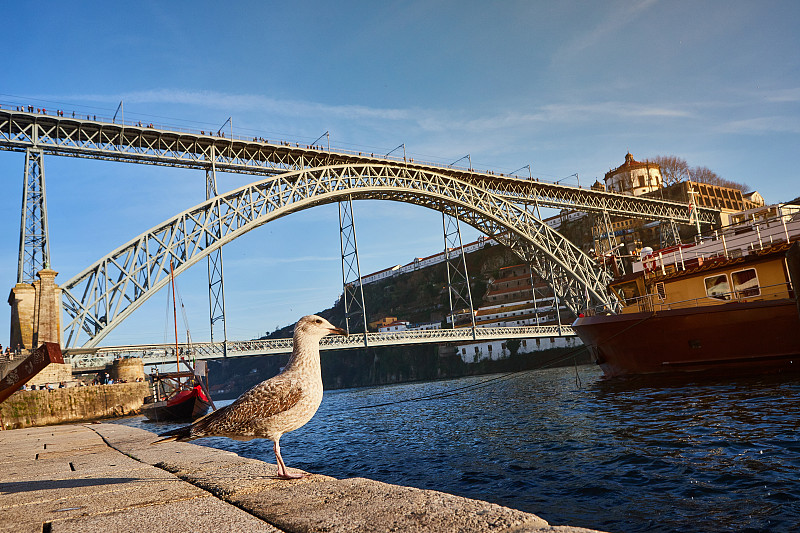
654, 302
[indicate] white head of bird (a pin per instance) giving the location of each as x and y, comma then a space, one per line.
313, 327
307, 333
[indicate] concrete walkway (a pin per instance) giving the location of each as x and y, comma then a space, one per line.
109, 478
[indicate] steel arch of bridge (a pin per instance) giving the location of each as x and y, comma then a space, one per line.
104, 294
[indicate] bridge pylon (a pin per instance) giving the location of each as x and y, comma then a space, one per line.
216, 284
34, 240
458, 290
353, 289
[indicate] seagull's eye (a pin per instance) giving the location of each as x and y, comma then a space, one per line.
319, 321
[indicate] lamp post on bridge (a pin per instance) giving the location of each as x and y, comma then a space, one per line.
567, 177
403, 146
327, 135
530, 174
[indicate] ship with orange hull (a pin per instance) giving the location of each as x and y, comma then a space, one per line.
723, 306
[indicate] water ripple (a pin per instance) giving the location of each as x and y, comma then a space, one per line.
635, 456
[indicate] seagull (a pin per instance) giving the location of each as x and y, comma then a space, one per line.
273, 407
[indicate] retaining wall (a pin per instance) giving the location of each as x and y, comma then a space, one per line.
74, 404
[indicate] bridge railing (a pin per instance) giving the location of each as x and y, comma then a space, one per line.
222, 135
151, 354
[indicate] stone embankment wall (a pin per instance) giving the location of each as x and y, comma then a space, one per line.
54, 373
73, 404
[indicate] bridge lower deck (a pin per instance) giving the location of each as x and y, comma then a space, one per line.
96, 358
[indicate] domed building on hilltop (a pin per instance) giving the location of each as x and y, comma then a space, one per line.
634, 177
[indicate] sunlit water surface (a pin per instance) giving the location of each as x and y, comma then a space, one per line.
638, 455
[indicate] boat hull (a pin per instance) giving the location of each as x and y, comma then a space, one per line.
189, 407
736, 338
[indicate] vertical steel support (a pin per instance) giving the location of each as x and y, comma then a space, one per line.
34, 240
556, 301
694, 212
668, 233
533, 292
353, 288
457, 275
613, 248
216, 285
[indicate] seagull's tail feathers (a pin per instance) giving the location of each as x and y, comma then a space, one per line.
197, 429
181, 434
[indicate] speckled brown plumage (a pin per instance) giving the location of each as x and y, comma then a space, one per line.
275, 406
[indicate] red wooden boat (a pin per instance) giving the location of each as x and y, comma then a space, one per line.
185, 404
724, 306
180, 395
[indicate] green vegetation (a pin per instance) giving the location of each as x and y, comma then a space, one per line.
419, 297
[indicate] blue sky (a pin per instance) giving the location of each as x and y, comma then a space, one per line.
567, 87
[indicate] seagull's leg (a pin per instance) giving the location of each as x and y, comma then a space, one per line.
282, 472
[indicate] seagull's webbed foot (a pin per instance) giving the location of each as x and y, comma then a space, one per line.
283, 473
287, 475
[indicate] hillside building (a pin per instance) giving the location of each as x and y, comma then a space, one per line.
634, 177
397, 325
516, 298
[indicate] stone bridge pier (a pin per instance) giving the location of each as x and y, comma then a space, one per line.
35, 312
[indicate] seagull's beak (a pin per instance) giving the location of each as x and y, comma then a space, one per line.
338, 331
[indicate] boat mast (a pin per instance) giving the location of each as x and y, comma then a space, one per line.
174, 317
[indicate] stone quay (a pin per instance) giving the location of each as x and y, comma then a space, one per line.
109, 477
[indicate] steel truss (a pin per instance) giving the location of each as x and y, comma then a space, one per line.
134, 143
216, 279
458, 289
151, 354
352, 286
669, 234
104, 294
34, 241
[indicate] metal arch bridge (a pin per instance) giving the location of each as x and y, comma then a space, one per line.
94, 359
104, 294
501, 207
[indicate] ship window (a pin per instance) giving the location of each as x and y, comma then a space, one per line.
628, 291
717, 287
662, 292
745, 283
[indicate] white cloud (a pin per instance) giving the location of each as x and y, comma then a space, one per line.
261, 262
427, 120
615, 21
783, 95
760, 125
244, 102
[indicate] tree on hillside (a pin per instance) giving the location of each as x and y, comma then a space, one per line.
675, 169
706, 175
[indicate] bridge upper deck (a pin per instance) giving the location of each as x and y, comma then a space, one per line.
90, 137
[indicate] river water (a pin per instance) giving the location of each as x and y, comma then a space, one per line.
625, 456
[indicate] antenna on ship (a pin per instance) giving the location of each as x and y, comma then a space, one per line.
693, 212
